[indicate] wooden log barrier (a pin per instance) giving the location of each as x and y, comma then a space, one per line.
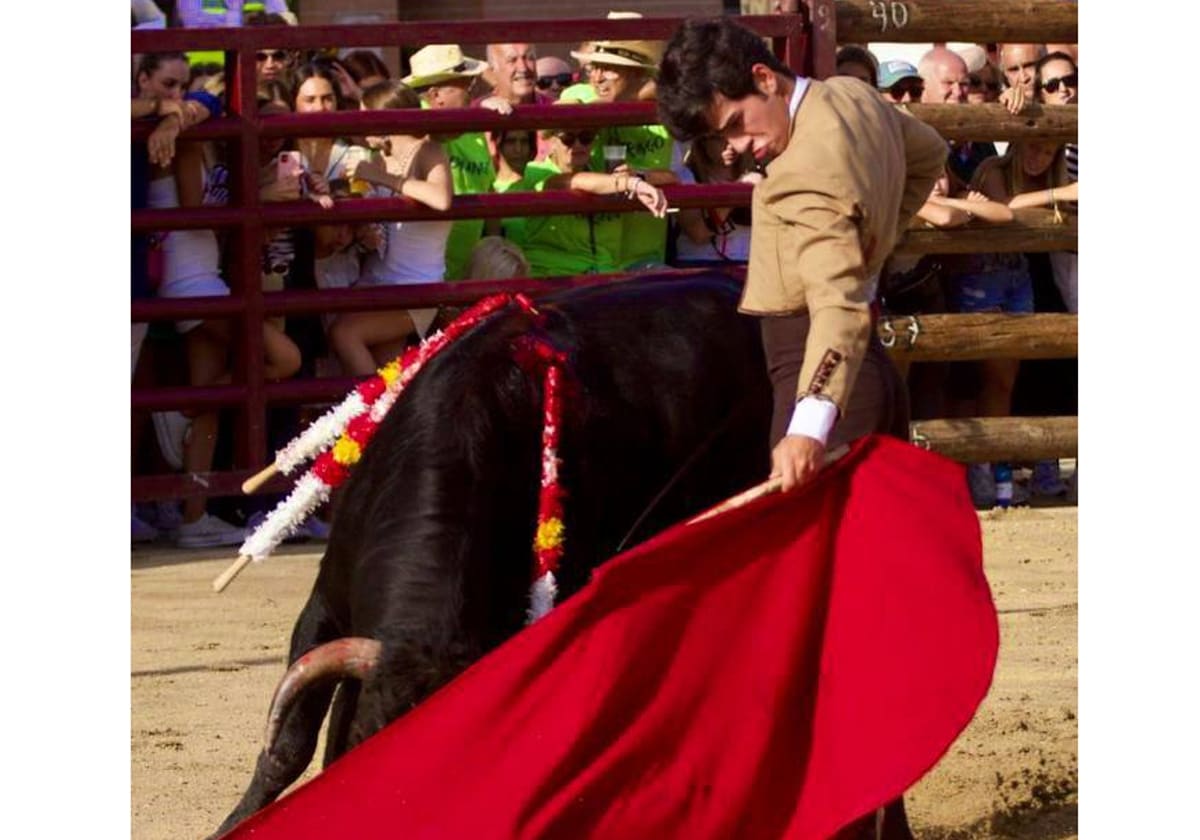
993, 122
973, 21
979, 335
974, 440
1033, 229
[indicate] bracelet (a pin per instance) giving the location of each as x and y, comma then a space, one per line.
631, 184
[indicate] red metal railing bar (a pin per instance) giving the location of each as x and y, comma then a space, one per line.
370, 297
251, 444
419, 121
486, 206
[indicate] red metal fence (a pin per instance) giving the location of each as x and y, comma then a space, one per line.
248, 304
806, 41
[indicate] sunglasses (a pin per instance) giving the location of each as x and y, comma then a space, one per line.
977, 83
278, 55
916, 88
568, 138
1051, 85
560, 79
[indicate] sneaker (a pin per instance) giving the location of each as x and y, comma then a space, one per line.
1020, 494
209, 531
143, 532
1046, 480
167, 516
171, 428
982, 485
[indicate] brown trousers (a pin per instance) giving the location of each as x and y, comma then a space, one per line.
878, 403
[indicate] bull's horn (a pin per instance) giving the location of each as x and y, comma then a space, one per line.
353, 656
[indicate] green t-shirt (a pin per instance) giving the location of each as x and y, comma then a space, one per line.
473, 173
579, 243
579, 92
513, 227
644, 238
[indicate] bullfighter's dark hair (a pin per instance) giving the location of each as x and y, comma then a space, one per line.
704, 57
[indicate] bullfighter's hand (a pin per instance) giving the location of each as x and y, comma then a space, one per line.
796, 459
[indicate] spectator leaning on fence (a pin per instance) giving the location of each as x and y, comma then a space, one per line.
443, 77
1057, 83
191, 268
413, 167
646, 150
580, 243
1017, 62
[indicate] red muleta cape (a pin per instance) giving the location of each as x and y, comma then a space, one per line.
776, 671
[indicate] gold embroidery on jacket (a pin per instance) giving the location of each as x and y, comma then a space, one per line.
820, 380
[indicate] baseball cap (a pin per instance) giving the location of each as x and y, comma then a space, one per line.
893, 71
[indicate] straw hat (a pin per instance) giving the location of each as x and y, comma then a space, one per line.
643, 54
439, 63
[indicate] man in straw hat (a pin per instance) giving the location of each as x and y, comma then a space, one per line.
620, 69
443, 76
845, 173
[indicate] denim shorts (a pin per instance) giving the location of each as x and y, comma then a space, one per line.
996, 291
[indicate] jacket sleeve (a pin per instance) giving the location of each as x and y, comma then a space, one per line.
819, 245
925, 155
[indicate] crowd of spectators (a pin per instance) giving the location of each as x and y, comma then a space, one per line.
178, 90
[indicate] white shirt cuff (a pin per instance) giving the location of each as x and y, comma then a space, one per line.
813, 418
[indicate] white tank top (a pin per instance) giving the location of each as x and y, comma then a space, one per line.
415, 253
188, 254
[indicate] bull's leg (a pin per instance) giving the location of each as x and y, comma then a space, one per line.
283, 762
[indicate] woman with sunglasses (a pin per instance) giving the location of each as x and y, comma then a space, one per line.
580, 243
553, 76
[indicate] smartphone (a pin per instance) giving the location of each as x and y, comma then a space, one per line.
287, 165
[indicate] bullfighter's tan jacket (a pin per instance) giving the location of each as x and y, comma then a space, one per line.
827, 215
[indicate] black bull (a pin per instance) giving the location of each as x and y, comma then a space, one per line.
431, 551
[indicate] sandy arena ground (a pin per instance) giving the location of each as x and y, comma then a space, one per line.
204, 668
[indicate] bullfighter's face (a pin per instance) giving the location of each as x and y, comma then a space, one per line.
758, 123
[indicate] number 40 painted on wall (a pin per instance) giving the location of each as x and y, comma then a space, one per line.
898, 17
